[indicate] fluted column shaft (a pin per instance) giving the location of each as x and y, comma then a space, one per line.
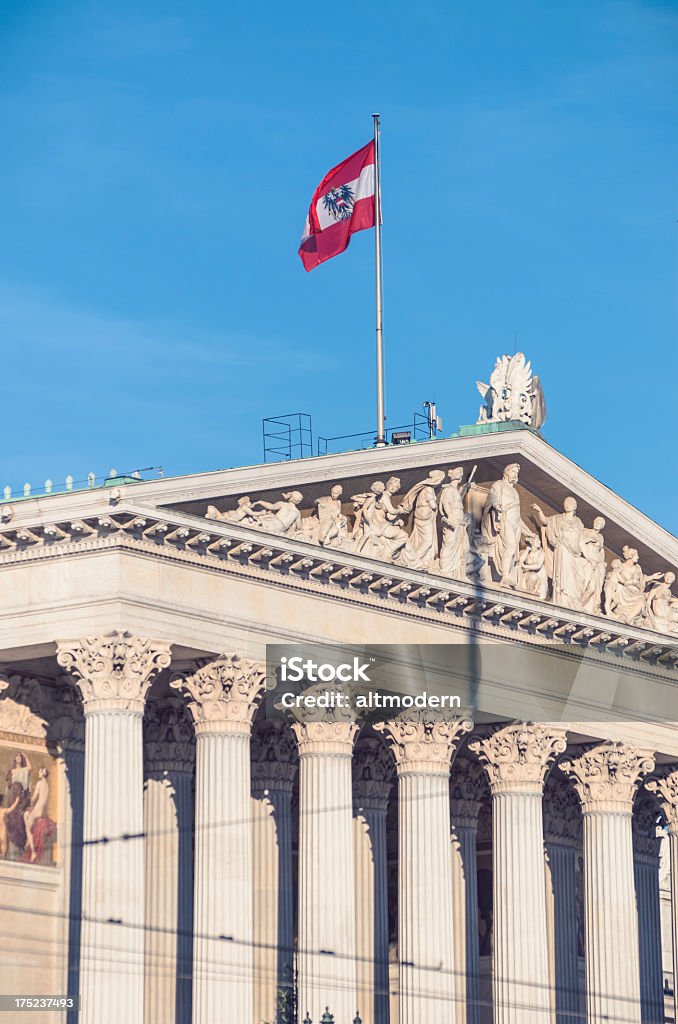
517, 759
427, 969
168, 824
113, 673
222, 954
273, 774
372, 772
371, 913
224, 695
646, 870
168, 810
673, 858
112, 937
468, 789
423, 753
561, 868
606, 778
562, 840
666, 790
326, 917
465, 922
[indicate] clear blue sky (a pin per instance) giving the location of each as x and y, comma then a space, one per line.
157, 164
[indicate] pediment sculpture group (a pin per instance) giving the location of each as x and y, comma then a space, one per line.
552, 557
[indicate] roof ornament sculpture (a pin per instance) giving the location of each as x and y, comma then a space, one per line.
514, 393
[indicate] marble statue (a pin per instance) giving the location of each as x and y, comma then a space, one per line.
429, 529
378, 530
329, 527
502, 526
421, 547
281, 517
242, 513
610, 586
563, 533
455, 547
593, 550
513, 393
532, 576
662, 606
626, 597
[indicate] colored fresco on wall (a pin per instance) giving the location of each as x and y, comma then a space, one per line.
28, 804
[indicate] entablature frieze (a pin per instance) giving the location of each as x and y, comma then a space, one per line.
487, 610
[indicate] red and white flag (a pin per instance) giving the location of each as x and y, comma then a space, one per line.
342, 204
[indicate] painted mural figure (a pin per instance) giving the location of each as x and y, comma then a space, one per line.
39, 827
27, 832
4, 812
17, 795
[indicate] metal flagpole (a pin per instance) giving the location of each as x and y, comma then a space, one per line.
380, 439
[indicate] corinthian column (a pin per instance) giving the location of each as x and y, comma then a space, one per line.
169, 750
562, 838
273, 769
423, 752
606, 778
327, 933
224, 695
646, 869
517, 759
372, 772
113, 674
467, 792
666, 790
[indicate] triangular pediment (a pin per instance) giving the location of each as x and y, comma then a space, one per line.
416, 523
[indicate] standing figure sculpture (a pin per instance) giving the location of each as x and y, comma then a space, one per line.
281, 517
593, 550
330, 527
455, 552
563, 532
421, 548
502, 526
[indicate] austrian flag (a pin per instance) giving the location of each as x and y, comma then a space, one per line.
342, 204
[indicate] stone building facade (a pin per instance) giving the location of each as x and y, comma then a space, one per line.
174, 855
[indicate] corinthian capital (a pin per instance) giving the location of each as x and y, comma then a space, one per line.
665, 788
334, 737
224, 692
113, 672
421, 745
517, 757
606, 776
